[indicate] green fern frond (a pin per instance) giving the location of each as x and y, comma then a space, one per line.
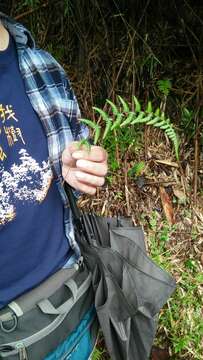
89, 123
137, 104
138, 119
164, 86
95, 127
107, 120
127, 117
107, 128
149, 108
153, 121
124, 104
117, 122
98, 354
157, 112
114, 108
137, 169
84, 142
97, 134
103, 114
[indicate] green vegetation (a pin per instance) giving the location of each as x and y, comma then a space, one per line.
183, 313
142, 50
98, 354
125, 117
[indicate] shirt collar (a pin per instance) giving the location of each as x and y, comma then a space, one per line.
20, 34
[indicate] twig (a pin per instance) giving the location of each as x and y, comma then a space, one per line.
196, 162
155, 183
126, 188
28, 12
197, 135
47, 29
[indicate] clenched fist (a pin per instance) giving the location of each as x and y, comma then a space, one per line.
84, 169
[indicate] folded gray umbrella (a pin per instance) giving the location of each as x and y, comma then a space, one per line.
130, 289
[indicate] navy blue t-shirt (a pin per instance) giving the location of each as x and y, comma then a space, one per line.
32, 237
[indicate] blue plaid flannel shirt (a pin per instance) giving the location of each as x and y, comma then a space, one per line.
51, 96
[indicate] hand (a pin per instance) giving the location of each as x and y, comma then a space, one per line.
84, 169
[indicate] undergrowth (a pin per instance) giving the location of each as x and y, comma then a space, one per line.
151, 50
181, 319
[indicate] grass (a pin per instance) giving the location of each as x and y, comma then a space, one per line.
181, 320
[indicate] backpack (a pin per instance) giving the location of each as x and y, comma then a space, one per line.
56, 320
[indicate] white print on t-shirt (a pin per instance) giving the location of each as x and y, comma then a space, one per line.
26, 181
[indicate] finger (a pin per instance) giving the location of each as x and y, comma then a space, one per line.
96, 154
69, 176
98, 169
89, 179
73, 147
86, 189
67, 158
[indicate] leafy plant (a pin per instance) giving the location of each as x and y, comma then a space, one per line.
137, 169
164, 86
187, 123
181, 318
31, 3
122, 116
98, 354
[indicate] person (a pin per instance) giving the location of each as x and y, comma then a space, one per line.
39, 133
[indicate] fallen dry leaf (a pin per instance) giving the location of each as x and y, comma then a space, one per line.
167, 162
159, 354
167, 205
201, 259
180, 195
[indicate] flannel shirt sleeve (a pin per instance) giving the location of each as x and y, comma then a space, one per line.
79, 130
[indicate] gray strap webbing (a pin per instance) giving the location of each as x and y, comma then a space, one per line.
6, 317
28, 301
16, 308
48, 308
71, 284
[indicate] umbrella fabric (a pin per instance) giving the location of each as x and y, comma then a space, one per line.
130, 289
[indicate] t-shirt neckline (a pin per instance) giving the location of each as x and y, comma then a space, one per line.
7, 55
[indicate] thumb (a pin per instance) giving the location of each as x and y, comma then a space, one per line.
67, 158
